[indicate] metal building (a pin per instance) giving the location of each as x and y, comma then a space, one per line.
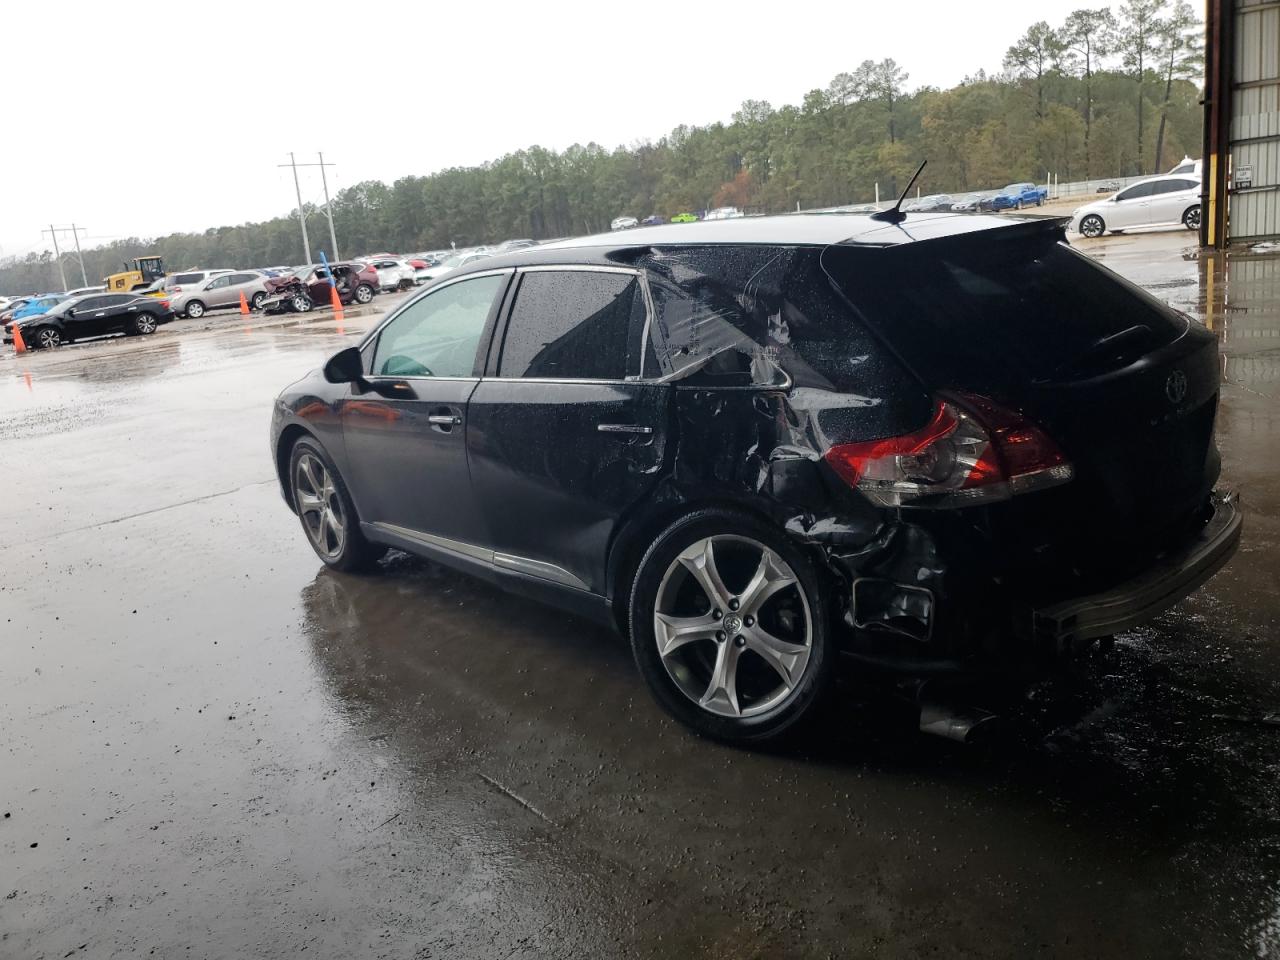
1242, 122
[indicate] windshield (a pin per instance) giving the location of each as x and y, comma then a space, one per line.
454, 261
302, 273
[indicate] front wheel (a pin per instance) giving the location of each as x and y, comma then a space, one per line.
729, 627
143, 324
1191, 219
1019, 204
47, 337
255, 302
1092, 226
364, 293
195, 309
328, 516
300, 303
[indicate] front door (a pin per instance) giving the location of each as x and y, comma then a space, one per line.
405, 437
94, 317
1132, 207
564, 439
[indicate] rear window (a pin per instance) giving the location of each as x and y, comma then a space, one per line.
1029, 308
187, 278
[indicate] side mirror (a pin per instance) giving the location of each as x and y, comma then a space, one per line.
71, 311
345, 366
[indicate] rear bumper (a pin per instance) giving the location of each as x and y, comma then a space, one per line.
1137, 601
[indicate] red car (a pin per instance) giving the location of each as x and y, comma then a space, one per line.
308, 286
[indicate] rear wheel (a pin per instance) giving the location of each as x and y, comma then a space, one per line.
47, 337
1019, 204
364, 293
194, 309
328, 516
1092, 226
729, 627
144, 323
1191, 219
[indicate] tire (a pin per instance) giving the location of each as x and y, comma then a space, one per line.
46, 338
255, 302
325, 510
143, 324
1191, 219
764, 699
1092, 226
194, 309
1019, 204
300, 303
1039, 201
364, 293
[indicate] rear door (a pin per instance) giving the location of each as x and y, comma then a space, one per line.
237, 284
405, 438
564, 436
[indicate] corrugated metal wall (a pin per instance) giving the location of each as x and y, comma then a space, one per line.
1255, 120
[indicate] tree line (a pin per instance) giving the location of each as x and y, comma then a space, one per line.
1102, 94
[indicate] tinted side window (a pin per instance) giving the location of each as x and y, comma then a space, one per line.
89, 303
1186, 184
438, 336
115, 300
572, 325
238, 278
1136, 191
188, 278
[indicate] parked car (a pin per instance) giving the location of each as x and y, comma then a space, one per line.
685, 218
967, 203
94, 315
624, 223
676, 440
1186, 165
38, 305
1108, 186
1016, 196
930, 203
176, 283
652, 220
12, 306
221, 291
85, 291
393, 273
723, 213
1157, 201
459, 259
308, 286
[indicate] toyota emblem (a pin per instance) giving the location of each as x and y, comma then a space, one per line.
1175, 388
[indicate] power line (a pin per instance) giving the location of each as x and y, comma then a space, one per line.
328, 207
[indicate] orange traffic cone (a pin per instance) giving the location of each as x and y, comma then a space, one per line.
244, 304
337, 303
19, 346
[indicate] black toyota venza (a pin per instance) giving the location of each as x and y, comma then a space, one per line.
752, 445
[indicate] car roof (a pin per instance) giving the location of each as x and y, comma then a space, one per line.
816, 229
1163, 176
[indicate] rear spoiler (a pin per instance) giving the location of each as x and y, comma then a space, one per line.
937, 229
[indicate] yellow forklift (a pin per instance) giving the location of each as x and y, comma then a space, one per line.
146, 271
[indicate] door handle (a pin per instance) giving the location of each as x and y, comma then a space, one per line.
444, 419
623, 428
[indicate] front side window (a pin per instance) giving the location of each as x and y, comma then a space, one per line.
574, 325
1137, 191
438, 335
219, 283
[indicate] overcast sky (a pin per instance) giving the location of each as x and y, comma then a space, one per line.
141, 119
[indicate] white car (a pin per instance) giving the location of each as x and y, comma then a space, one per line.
1186, 165
624, 223
459, 259
393, 274
1154, 202
723, 213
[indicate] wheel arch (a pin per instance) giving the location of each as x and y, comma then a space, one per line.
289, 436
638, 533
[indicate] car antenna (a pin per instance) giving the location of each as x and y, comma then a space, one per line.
894, 214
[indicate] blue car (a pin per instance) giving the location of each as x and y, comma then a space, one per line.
1016, 196
39, 305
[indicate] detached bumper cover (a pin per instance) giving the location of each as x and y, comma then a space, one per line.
1130, 604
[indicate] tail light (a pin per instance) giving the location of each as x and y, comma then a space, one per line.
175, 289
164, 304
972, 451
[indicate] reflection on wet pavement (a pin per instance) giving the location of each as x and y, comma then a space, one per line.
213, 748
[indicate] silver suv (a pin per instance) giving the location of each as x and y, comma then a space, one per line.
222, 288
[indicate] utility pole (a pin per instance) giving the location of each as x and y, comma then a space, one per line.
57, 254
302, 217
75, 232
328, 207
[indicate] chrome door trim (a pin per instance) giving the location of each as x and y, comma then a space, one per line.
504, 562
622, 428
538, 568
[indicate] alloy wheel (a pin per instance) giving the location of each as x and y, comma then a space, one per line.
364, 294
733, 626
1191, 219
49, 338
319, 505
1091, 227
195, 309
145, 323
300, 304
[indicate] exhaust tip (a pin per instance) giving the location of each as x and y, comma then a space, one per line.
961, 724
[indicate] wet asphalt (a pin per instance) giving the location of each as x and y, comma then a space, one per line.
212, 747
